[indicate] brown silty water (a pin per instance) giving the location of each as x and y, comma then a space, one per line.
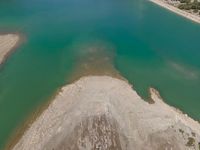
95, 59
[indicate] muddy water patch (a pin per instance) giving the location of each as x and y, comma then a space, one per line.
94, 58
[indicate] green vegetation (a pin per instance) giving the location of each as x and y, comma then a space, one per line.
199, 145
190, 5
190, 142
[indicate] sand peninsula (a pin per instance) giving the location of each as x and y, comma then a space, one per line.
7, 43
105, 113
172, 6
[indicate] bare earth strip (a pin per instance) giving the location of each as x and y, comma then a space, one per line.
7, 43
176, 10
105, 113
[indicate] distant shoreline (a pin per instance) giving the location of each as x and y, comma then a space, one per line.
8, 42
178, 11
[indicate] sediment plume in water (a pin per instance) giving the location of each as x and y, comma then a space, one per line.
95, 58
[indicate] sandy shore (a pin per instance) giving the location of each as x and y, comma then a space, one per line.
7, 43
176, 10
101, 112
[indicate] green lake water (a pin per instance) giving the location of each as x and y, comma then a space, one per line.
149, 46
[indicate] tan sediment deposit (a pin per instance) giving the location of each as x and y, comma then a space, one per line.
168, 5
101, 112
7, 43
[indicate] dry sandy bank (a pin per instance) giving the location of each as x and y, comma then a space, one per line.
101, 112
7, 43
176, 10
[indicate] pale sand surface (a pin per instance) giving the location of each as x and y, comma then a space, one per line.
7, 43
176, 10
105, 113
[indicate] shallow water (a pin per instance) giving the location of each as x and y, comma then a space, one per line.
148, 45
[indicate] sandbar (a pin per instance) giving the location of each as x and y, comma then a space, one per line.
102, 112
7, 43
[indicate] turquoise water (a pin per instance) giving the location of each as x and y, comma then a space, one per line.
150, 45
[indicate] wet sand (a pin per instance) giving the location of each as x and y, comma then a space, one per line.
7, 43
164, 4
106, 113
